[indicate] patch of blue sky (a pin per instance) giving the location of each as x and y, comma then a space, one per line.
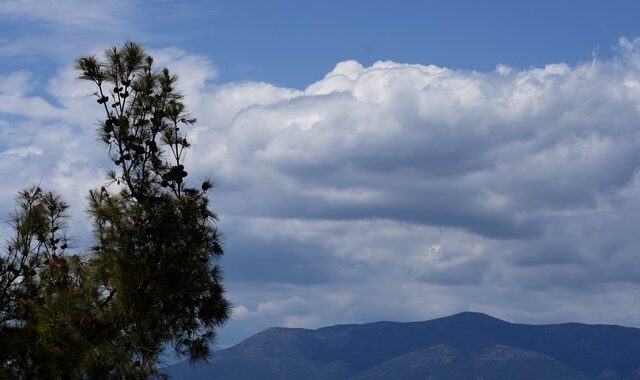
293, 43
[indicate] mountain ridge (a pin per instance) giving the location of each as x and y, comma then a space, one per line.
457, 344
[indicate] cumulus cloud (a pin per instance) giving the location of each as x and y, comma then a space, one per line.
523, 180
476, 151
395, 191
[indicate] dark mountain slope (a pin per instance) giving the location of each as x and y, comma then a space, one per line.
489, 363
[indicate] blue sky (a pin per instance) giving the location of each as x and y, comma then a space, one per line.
375, 160
294, 43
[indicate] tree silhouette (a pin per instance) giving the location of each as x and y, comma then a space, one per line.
151, 280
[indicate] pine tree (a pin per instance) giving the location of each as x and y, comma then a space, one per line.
151, 280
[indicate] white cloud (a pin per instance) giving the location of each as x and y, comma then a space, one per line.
70, 13
393, 191
426, 177
23, 152
15, 99
64, 29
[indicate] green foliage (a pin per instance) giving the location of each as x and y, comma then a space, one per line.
151, 278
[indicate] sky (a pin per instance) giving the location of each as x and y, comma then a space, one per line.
375, 160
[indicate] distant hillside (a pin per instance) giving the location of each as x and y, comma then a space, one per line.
462, 346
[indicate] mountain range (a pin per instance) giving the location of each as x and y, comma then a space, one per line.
462, 346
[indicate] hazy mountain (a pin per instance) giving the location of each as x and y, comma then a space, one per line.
462, 346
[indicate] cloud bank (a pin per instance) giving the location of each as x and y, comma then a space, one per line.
393, 191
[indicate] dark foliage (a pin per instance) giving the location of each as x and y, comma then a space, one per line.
151, 279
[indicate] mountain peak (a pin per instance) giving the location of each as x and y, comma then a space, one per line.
473, 315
